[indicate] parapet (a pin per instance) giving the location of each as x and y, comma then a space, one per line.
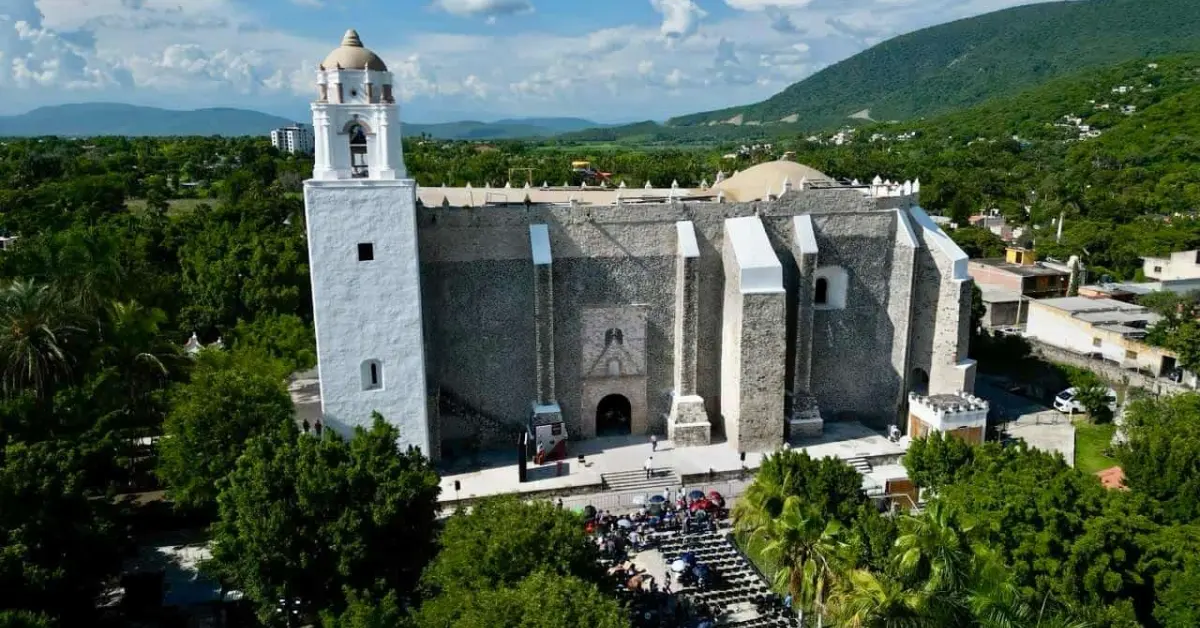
949, 411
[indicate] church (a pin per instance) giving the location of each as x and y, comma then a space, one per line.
749, 311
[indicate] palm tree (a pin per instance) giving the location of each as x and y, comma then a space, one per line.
867, 600
933, 549
133, 343
34, 343
763, 500
809, 553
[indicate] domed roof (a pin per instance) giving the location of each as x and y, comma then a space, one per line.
753, 183
352, 56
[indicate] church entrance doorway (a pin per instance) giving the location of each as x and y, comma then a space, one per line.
614, 416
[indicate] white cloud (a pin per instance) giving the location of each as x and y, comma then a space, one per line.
32, 56
483, 8
761, 5
680, 18
195, 53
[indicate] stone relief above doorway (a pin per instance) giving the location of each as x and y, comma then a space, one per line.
613, 371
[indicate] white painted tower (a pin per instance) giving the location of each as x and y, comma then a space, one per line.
362, 248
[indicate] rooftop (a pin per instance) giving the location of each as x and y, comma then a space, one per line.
1077, 305
993, 294
1035, 270
753, 184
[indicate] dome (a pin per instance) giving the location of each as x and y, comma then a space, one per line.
352, 56
753, 183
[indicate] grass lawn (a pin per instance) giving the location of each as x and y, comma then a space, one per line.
1090, 443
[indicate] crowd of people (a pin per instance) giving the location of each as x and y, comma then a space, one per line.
621, 536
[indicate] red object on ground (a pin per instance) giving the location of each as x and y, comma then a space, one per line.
1112, 478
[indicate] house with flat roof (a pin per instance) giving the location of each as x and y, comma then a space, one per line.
1112, 330
1130, 291
1179, 265
1009, 281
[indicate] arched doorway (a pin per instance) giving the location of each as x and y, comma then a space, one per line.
613, 416
919, 381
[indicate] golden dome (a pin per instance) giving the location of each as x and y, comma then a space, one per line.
352, 56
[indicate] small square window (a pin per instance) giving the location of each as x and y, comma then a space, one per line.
1096, 342
366, 251
1130, 355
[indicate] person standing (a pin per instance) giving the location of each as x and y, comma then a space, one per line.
649, 466
653, 442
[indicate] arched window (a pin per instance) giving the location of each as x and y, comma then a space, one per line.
372, 375
821, 293
358, 151
613, 335
614, 368
830, 284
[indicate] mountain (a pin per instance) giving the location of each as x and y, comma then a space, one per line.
92, 119
513, 128
961, 63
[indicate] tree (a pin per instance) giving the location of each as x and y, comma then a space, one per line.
325, 524
58, 547
1161, 456
1028, 505
24, 619
978, 242
809, 553
285, 337
541, 600
828, 485
503, 539
871, 600
935, 460
35, 345
210, 420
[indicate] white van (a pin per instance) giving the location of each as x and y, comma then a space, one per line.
1067, 401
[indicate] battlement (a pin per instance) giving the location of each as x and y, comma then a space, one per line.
946, 413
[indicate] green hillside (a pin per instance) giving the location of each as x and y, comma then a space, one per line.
517, 128
958, 64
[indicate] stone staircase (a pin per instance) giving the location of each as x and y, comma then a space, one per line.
622, 481
449, 403
860, 464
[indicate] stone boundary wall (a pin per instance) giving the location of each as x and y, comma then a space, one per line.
1109, 372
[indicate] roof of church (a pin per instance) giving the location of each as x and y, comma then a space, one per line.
755, 182
351, 55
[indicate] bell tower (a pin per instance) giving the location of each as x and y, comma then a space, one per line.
362, 247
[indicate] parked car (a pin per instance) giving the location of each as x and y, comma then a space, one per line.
1068, 401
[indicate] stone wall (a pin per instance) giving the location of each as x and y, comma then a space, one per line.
852, 347
1109, 372
478, 291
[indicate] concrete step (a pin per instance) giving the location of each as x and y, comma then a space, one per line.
637, 480
860, 464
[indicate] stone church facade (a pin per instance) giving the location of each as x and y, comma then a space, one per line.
728, 311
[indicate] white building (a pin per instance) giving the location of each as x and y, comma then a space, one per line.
1103, 328
296, 139
1180, 265
362, 239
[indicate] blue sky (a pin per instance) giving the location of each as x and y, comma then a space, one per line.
608, 60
